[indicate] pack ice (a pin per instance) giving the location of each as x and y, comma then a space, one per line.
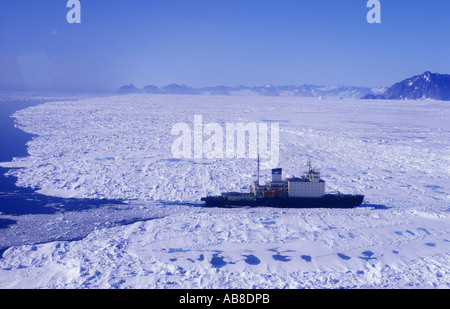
396, 153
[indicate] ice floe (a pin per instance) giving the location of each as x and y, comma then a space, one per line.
396, 153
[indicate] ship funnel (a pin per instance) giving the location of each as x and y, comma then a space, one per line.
277, 174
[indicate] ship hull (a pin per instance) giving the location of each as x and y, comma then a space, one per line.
327, 201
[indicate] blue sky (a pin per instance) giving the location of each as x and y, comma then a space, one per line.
219, 42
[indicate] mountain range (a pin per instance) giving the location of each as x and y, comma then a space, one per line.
267, 90
426, 86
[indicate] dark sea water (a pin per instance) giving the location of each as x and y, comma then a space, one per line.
12, 140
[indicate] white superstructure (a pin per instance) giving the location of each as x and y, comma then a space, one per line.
309, 185
300, 188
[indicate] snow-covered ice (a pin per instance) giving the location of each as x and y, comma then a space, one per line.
261, 248
397, 153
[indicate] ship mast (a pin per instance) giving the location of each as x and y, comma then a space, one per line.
258, 169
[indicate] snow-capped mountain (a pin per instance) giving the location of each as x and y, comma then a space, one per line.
267, 90
426, 86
